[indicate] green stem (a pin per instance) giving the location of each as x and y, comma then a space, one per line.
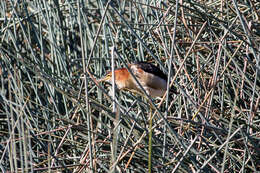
150, 142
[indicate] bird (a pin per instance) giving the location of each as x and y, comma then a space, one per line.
151, 78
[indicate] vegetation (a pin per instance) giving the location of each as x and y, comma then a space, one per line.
56, 117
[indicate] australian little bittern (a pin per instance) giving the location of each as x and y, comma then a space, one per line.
152, 79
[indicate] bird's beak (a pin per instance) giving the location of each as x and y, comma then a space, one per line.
104, 79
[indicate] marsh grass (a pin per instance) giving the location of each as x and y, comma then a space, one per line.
56, 117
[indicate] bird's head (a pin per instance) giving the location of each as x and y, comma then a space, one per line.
107, 78
122, 77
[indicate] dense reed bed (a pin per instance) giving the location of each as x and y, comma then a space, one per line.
56, 117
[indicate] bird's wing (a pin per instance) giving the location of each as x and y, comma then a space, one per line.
147, 75
152, 69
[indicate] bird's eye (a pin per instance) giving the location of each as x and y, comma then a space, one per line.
109, 75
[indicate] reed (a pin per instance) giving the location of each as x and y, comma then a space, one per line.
56, 117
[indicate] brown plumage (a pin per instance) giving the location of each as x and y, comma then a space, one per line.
152, 79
